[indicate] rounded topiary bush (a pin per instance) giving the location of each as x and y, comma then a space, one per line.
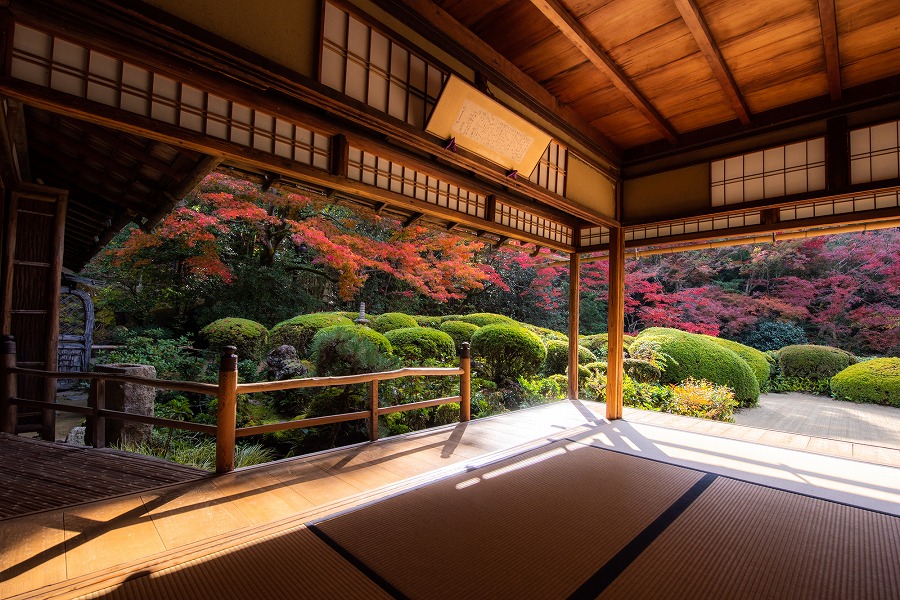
460, 331
597, 367
421, 344
349, 350
546, 334
508, 351
482, 319
249, 337
642, 371
557, 360
426, 321
596, 343
811, 361
876, 381
757, 359
300, 330
395, 320
694, 355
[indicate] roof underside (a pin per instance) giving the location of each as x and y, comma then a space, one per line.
694, 63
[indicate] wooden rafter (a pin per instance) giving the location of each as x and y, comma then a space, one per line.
693, 18
413, 219
569, 27
828, 21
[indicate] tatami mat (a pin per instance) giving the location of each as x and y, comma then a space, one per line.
292, 565
740, 540
535, 526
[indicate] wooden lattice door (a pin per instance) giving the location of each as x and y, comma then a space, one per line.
76, 332
32, 258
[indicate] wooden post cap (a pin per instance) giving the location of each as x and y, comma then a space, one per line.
464, 352
229, 359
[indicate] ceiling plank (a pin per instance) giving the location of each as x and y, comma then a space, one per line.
828, 21
569, 27
693, 18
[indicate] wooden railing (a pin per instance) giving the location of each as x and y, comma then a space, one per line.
226, 391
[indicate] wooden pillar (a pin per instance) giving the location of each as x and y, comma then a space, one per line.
7, 384
48, 417
574, 310
837, 154
226, 418
465, 383
615, 323
96, 425
373, 408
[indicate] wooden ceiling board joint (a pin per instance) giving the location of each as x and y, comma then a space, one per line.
695, 22
571, 29
828, 21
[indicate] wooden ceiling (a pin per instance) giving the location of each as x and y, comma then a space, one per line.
645, 71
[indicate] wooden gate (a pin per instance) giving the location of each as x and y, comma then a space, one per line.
76, 332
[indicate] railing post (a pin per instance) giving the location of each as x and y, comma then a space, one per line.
8, 412
226, 419
465, 383
96, 424
373, 407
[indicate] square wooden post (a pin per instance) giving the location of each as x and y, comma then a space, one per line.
226, 417
574, 317
615, 324
7, 384
465, 383
96, 424
373, 408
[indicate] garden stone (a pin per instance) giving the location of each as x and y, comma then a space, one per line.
283, 363
131, 398
76, 436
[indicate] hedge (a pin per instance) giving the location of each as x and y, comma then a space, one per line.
482, 319
300, 330
757, 359
696, 356
508, 351
422, 343
813, 362
394, 320
426, 321
249, 337
460, 331
876, 381
557, 360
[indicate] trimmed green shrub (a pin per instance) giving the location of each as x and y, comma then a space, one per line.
426, 321
395, 320
596, 343
546, 334
482, 319
508, 351
446, 318
460, 331
813, 362
597, 367
757, 359
696, 356
300, 330
876, 381
421, 344
349, 350
557, 360
773, 335
642, 371
249, 337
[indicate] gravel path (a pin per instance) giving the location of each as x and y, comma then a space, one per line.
825, 417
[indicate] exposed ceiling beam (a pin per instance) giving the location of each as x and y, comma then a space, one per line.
413, 219
693, 18
572, 29
828, 21
431, 21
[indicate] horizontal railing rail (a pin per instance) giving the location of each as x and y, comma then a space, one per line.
226, 391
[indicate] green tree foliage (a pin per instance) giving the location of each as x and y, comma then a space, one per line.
350, 350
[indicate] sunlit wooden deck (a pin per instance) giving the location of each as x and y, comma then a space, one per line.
91, 545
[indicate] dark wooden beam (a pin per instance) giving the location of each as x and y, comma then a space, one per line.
694, 20
339, 158
413, 219
575, 33
828, 21
490, 208
837, 154
867, 96
19, 131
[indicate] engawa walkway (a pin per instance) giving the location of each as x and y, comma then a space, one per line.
99, 543
823, 417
